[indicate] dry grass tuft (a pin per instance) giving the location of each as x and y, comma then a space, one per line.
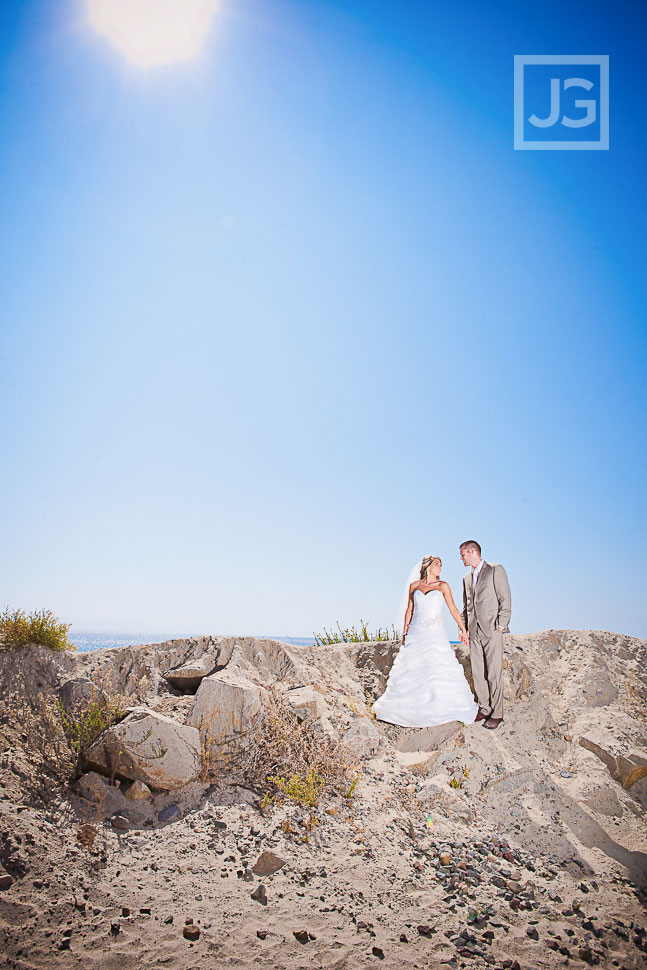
295, 758
50, 741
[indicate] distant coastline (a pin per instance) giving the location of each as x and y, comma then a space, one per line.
86, 640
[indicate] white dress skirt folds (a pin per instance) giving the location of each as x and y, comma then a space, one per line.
426, 684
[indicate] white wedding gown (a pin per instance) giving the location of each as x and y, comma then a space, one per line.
426, 684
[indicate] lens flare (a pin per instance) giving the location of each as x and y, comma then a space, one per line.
152, 33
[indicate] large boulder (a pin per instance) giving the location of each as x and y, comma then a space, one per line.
149, 747
224, 708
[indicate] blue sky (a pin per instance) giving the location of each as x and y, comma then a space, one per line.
279, 320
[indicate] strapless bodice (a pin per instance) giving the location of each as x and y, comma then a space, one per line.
427, 607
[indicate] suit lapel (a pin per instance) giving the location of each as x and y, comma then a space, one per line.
479, 584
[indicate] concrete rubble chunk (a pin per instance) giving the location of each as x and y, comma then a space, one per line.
362, 737
224, 708
188, 676
626, 770
305, 700
149, 747
429, 738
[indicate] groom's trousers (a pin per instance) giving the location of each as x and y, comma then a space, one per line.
486, 656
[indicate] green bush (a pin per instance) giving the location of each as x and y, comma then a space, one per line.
18, 629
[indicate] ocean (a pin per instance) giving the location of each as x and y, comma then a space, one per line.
85, 640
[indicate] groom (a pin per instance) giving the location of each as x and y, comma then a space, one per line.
486, 614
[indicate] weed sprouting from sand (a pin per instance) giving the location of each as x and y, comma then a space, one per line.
302, 791
19, 629
352, 635
350, 792
84, 721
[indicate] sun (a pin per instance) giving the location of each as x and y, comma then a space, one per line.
152, 33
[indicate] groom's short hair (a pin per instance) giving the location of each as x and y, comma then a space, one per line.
470, 544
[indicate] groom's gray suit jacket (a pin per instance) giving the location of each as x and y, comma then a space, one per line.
490, 607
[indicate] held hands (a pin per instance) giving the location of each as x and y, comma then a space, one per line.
463, 637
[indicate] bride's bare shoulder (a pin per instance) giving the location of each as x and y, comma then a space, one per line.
415, 585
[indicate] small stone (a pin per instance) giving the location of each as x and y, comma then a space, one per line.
168, 812
260, 895
120, 822
267, 864
125, 911
5, 880
532, 933
425, 930
378, 952
301, 935
565, 774
114, 928
585, 954
445, 858
191, 932
261, 934
138, 791
404, 938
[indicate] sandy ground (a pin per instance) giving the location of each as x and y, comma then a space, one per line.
537, 858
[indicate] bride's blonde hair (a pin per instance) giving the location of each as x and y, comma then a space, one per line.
426, 562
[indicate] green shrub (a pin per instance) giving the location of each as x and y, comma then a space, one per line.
18, 629
351, 635
87, 720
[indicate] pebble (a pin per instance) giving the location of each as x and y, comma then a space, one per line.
120, 822
191, 931
5, 881
260, 895
301, 935
168, 812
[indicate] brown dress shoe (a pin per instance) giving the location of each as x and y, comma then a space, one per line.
481, 716
492, 723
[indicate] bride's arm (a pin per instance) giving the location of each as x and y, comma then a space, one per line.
449, 599
409, 613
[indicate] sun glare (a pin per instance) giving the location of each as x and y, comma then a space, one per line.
152, 33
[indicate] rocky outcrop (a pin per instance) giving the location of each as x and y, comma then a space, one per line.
149, 747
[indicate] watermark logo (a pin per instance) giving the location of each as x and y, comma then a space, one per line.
561, 101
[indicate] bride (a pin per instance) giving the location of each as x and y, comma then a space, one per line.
426, 684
